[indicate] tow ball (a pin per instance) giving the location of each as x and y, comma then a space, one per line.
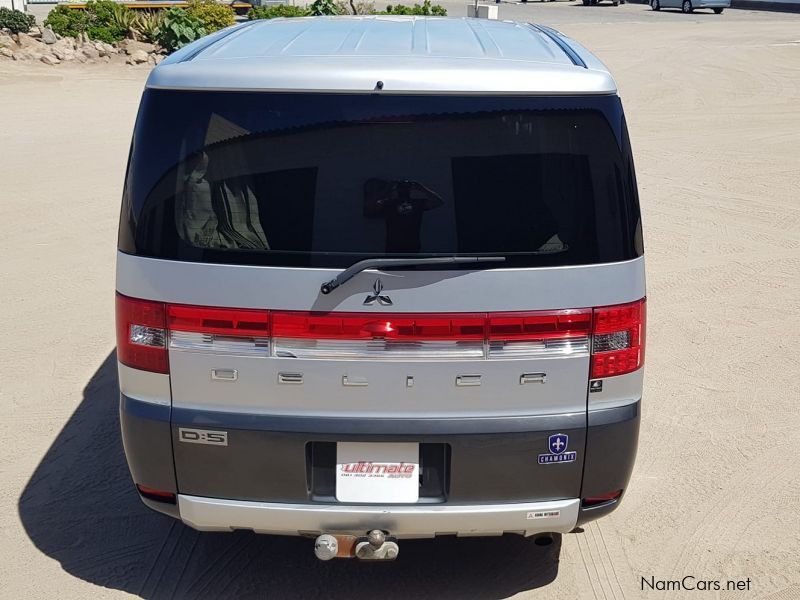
376, 545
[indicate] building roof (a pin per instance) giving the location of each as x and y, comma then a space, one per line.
407, 54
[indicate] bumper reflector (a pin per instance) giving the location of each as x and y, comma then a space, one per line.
157, 495
592, 501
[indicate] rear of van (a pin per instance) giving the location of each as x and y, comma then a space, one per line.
481, 374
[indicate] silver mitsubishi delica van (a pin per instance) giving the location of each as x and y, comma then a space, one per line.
381, 278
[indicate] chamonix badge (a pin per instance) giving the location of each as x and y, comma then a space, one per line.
557, 444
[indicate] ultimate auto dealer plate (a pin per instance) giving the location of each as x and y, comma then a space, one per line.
377, 473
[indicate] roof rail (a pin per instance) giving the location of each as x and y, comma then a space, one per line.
189, 52
559, 41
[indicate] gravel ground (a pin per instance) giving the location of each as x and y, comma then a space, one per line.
712, 109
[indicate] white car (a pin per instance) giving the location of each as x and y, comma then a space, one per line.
596, 2
689, 6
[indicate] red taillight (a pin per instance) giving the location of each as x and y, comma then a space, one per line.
349, 326
618, 339
601, 498
145, 329
218, 321
540, 325
141, 334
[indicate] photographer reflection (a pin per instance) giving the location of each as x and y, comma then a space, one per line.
402, 205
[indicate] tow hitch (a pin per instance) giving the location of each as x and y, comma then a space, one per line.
376, 545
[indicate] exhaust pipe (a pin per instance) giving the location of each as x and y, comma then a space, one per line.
376, 545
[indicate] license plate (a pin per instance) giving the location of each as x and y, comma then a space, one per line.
377, 473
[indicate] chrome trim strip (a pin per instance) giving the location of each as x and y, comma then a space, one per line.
381, 349
427, 520
539, 349
376, 349
220, 344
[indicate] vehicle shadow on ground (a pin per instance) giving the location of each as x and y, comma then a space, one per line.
80, 508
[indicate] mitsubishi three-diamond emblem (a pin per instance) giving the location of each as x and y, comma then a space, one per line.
383, 300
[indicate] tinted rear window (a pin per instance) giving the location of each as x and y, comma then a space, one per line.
327, 180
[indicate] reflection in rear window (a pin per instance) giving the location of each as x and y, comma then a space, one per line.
327, 180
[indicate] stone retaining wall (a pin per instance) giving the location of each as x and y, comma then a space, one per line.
41, 44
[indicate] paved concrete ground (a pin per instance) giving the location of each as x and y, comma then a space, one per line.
713, 112
561, 12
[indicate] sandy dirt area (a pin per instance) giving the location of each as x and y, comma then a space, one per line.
713, 110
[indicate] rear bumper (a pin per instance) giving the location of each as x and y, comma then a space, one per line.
208, 514
259, 481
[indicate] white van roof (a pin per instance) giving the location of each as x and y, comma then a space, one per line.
421, 55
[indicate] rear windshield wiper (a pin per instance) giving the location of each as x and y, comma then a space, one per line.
362, 265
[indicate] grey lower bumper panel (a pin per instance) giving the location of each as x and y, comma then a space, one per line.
418, 521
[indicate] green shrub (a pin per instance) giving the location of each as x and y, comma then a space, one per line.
323, 7
178, 29
212, 14
426, 9
277, 10
102, 20
67, 21
15, 20
103, 23
147, 23
344, 7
